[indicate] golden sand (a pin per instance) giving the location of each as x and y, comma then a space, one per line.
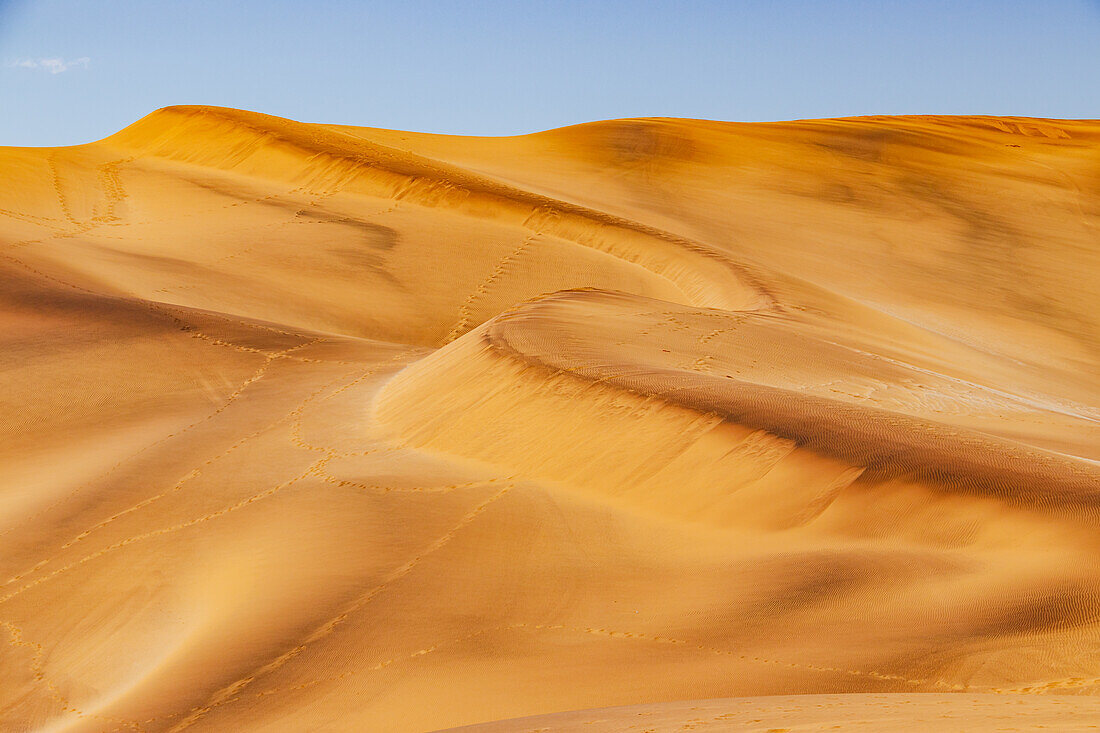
311, 427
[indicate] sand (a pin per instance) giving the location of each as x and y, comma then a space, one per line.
313, 427
877, 713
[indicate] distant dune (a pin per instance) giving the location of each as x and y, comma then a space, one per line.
314, 427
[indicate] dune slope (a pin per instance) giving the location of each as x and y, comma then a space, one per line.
315, 427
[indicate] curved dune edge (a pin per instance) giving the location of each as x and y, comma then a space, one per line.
478, 399
260, 145
533, 391
880, 712
321, 229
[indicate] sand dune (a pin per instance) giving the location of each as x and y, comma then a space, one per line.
313, 427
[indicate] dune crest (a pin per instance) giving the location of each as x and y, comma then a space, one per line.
586, 395
317, 427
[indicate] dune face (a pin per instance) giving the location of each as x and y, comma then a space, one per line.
312, 427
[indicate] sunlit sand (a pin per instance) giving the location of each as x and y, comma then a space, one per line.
312, 427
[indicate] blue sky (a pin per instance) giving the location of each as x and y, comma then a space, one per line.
76, 70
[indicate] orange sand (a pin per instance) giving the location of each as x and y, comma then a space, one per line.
312, 427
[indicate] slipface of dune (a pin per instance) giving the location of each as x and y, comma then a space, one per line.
311, 427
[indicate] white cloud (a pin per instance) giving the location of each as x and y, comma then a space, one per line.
54, 65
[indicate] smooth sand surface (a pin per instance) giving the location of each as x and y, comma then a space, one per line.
311, 427
869, 712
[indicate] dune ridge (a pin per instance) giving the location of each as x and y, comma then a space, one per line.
344, 161
457, 391
318, 427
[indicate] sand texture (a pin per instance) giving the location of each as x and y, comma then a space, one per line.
867, 712
325, 428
